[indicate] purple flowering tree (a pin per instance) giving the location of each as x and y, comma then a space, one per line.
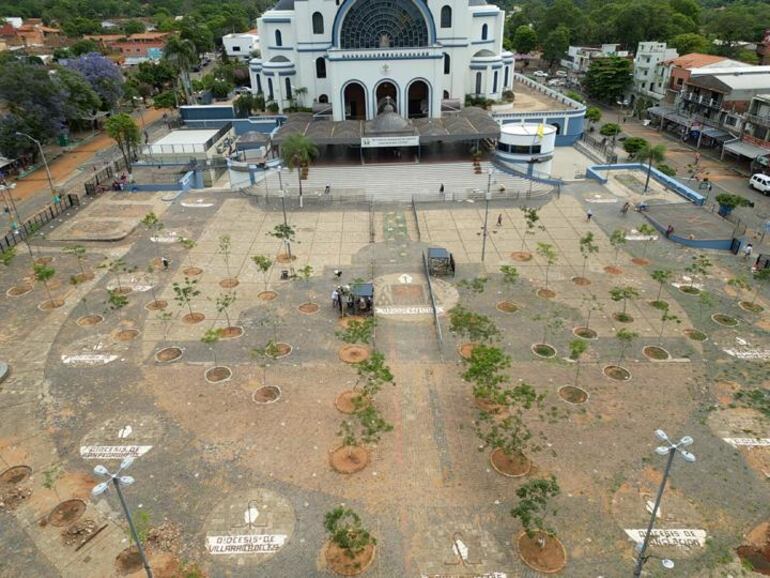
102, 74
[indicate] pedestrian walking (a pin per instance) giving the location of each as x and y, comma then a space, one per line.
164, 261
441, 189
589, 214
624, 210
747, 250
500, 220
335, 298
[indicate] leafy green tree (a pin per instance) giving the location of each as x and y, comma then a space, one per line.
689, 42
189, 245
618, 240
124, 131
524, 39
633, 145
368, 427
662, 276
84, 46
651, 154
592, 304
210, 337
297, 151
184, 292
610, 129
79, 252
510, 276
485, 370
81, 100
44, 274
547, 252
577, 347
347, 532
532, 222
6, 257
474, 286
666, 315
475, 327
625, 337
133, 27
181, 52
153, 225
305, 273
593, 114
264, 264
286, 234
648, 231
532, 507
374, 373
224, 302
608, 78
730, 27
623, 294
739, 284
224, 249
699, 267
555, 45
358, 331
587, 248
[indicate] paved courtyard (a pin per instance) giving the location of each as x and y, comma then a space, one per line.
238, 487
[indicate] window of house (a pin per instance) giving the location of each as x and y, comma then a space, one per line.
323, 99
318, 23
478, 83
288, 88
236, 48
270, 95
278, 38
447, 63
446, 17
494, 82
320, 67
484, 32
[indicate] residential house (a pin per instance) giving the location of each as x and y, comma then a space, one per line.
241, 46
756, 128
678, 70
31, 32
134, 48
650, 78
579, 58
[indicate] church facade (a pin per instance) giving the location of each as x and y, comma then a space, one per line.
359, 56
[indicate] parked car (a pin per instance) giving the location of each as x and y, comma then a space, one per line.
761, 183
540, 73
561, 73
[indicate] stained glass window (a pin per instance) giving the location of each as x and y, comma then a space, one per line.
384, 24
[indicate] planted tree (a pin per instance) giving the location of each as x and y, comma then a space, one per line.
348, 535
700, 267
43, 274
286, 234
510, 278
358, 331
210, 337
116, 299
373, 373
587, 248
305, 273
153, 225
662, 276
473, 286
665, 317
653, 154
551, 324
739, 284
264, 264
165, 318
532, 222
475, 327
648, 231
126, 134
623, 294
762, 277
547, 252
297, 151
532, 508
705, 302
6, 257
617, 240
485, 370
185, 292
593, 115
224, 249
625, 337
223, 303
367, 428
117, 267
577, 347
188, 244
79, 252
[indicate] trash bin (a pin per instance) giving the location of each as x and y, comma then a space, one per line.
284, 274
64, 139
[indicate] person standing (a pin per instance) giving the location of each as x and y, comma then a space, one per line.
589, 214
335, 298
747, 250
165, 262
500, 220
441, 189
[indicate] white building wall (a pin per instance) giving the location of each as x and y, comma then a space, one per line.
240, 45
650, 76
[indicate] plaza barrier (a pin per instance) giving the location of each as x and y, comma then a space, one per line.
32, 225
593, 172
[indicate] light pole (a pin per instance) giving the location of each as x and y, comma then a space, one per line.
8, 189
621, 104
45, 163
487, 196
117, 481
670, 449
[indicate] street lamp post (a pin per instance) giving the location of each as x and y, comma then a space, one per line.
8, 189
45, 163
487, 196
671, 449
117, 481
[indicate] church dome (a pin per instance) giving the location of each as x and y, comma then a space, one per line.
389, 121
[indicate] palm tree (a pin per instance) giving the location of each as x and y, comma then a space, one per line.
652, 154
297, 151
182, 54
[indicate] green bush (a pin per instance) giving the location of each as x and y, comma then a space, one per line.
575, 96
609, 129
667, 169
633, 145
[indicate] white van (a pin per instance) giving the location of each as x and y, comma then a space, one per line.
761, 183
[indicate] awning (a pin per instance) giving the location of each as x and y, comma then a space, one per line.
677, 118
4, 162
714, 132
745, 149
659, 110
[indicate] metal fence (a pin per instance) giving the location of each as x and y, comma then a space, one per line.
603, 146
36, 222
102, 179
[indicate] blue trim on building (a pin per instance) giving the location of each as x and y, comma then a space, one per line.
490, 41
312, 49
280, 48
454, 45
339, 19
287, 73
276, 20
484, 14
331, 58
686, 192
479, 66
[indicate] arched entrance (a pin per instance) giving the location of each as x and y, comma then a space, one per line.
354, 99
385, 89
418, 99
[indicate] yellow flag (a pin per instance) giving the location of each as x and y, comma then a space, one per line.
540, 131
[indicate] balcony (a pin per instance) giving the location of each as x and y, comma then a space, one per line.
758, 120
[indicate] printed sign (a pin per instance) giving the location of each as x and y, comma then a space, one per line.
245, 543
412, 310
112, 452
677, 538
748, 442
390, 141
88, 359
485, 575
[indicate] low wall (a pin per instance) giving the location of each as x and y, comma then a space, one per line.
720, 244
532, 175
183, 184
593, 172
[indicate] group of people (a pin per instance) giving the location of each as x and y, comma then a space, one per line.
120, 184
346, 302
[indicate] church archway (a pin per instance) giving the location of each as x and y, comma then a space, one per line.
385, 89
418, 99
354, 101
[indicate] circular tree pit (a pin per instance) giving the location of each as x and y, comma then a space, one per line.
192, 271
18, 290
128, 561
83, 277
581, 281
507, 307
546, 293
284, 258
573, 394
543, 350
617, 373
353, 354
613, 270
89, 320
168, 354
584, 332
465, 350
622, 317
267, 295
521, 256
345, 403
266, 394
340, 563
549, 558
510, 466
689, 290
349, 459
308, 308
640, 261
15, 475
655, 353
51, 304
724, 320
218, 374
659, 304
230, 332
695, 335
229, 283
156, 305
281, 350
127, 335
751, 307
66, 513
193, 318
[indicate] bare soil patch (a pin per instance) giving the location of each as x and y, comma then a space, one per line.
546, 293
90, 320
581, 281
267, 295
613, 270
229, 283
281, 350
543, 350
309, 308
751, 307
640, 261
266, 394
617, 373
507, 307
573, 394
78, 533
510, 466
193, 318
15, 475
353, 353
66, 513
43, 260
82, 277
230, 332
218, 374
340, 563
466, 350
659, 304
490, 407
11, 496
344, 322
757, 551
344, 401
122, 290
349, 459
157, 305
655, 353
51, 304
192, 271
521, 256
623, 317
18, 290
584, 332
128, 561
689, 290
695, 335
168, 354
549, 559
284, 258
724, 320
127, 335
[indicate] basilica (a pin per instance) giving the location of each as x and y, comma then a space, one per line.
352, 59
